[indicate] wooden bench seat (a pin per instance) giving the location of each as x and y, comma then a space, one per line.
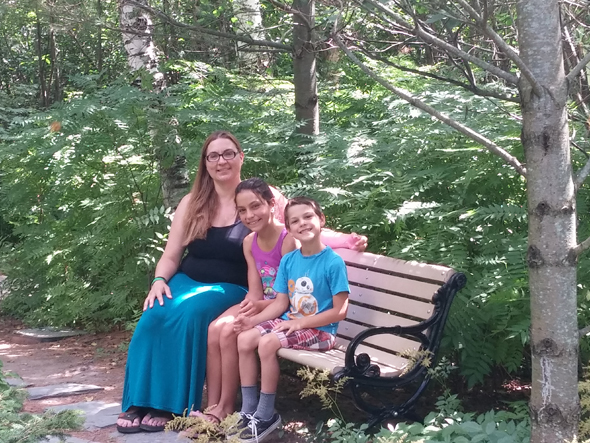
395, 307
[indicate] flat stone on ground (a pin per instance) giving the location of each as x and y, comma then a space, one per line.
98, 414
49, 333
17, 382
150, 437
67, 440
61, 390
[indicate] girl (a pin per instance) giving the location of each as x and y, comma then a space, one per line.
263, 249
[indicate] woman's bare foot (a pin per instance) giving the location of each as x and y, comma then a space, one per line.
129, 422
155, 420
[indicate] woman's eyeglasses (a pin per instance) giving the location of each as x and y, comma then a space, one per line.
229, 154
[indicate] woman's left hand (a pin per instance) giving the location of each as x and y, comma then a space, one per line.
356, 242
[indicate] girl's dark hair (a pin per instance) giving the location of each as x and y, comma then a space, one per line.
258, 187
303, 201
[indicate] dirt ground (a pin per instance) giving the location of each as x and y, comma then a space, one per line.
100, 359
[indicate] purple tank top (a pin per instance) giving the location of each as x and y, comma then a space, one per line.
267, 264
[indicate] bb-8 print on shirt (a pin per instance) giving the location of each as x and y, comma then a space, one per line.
303, 303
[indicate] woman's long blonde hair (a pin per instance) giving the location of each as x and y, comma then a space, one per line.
203, 200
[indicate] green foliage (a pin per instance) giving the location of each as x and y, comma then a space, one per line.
446, 425
491, 427
201, 430
85, 210
17, 427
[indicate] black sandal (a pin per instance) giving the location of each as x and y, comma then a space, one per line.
131, 416
154, 413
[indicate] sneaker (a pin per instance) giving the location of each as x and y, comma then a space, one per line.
258, 429
242, 425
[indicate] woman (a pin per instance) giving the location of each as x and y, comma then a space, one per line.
166, 361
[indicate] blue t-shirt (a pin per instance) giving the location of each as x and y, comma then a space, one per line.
311, 282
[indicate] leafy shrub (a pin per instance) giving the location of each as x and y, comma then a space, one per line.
17, 427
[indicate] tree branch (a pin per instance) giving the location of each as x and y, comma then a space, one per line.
466, 86
578, 68
585, 245
290, 10
488, 144
582, 175
584, 331
240, 38
504, 47
429, 38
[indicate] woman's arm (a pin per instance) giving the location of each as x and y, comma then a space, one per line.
330, 238
336, 239
170, 260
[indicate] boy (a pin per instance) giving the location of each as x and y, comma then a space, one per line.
312, 297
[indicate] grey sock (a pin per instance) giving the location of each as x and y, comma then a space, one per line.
266, 406
249, 399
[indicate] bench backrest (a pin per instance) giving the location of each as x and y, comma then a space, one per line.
387, 292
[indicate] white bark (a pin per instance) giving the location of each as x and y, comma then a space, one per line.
554, 403
137, 28
249, 23
138, 41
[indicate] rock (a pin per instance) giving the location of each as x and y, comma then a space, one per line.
17, 382
98, 414
49, 333
61, 390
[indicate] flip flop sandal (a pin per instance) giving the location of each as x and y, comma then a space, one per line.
154, 413
130, 416
212, 418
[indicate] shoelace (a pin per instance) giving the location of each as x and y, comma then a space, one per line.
253, 428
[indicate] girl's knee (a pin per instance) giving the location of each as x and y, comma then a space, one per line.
247, 341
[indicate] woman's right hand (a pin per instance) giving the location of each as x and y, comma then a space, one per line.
157, 291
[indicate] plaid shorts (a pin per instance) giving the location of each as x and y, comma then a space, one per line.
307, 339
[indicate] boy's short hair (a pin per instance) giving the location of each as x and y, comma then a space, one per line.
295, 201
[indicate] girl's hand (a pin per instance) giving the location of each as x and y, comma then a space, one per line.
248, 308
289, 326
356, 242
157, 291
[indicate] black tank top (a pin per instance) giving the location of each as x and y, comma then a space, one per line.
218, 258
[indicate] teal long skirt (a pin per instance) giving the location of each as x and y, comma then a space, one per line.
167, 355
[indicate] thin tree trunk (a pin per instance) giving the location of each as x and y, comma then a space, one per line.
304, 68
555, 407
99, 54
142, 54
55, 76
43, 95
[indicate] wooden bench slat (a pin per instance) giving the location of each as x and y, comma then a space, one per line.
392, 283
392, 342
435, 273
335, 359
376, 318
415, 308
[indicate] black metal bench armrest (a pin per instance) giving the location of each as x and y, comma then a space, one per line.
361, 370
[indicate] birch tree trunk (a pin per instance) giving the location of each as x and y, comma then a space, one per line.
304, 68
249, 23
554, 405
142, 54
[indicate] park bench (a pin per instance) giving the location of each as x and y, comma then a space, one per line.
395, 307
